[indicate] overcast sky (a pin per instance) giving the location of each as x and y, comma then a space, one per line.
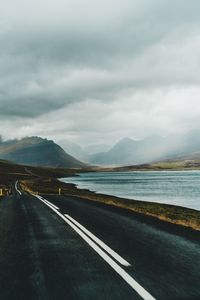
94, 71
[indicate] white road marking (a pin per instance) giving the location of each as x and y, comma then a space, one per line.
132, 282
121, 260
51, 204
17, 188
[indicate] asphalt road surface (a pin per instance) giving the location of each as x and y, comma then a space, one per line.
56, 247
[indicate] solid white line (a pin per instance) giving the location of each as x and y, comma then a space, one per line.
121, 260
51, 204
132, 282
41, 198
17, 188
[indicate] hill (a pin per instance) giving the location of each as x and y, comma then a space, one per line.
36, 151
186, 162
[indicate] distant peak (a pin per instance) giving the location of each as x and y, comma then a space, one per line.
125, 140
34, 139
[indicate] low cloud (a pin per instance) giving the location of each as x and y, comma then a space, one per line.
94, 71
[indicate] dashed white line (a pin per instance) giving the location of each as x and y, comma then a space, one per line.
130, 280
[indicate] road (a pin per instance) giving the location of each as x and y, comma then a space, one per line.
56, 247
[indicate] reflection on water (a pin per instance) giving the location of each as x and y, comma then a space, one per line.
172, 187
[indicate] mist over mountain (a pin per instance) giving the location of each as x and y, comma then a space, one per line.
37, 151
128, 151
83, 153
74, 150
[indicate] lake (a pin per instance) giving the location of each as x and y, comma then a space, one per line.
172, 187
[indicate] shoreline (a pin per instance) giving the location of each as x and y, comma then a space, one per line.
127, 198
168, 213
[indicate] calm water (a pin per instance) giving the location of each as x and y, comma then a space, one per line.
179, 188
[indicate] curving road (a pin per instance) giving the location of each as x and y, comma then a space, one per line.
56, 247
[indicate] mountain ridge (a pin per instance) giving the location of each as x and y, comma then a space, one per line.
128, 151
37, 151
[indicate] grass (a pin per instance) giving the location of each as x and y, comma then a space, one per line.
173, 165
168, 213
44, 181
10, 172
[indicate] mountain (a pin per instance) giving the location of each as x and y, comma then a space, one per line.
83, 153
128, 151
74, 150
96, 148
37, 151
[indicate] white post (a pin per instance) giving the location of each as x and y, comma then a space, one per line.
59, 191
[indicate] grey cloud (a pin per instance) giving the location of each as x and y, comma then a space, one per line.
56, 54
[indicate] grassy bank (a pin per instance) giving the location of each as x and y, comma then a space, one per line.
11, 172
168, 213
44, 181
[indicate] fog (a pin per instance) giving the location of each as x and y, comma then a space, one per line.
94, 72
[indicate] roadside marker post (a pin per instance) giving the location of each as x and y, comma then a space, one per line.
1, 192
59, 191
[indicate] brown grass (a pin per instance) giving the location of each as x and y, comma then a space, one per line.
168, 213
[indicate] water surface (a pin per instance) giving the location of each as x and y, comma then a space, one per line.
172, 187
